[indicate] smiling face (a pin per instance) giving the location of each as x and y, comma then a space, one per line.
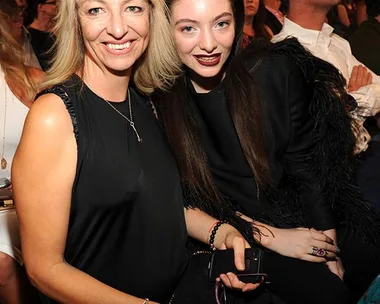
204, 32
115, 32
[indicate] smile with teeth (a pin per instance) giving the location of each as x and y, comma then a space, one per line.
208, 58
123, 46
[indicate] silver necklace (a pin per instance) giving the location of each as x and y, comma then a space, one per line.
3, 162
130, 119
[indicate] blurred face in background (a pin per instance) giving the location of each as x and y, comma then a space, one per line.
17, 24
49, 8
251, 7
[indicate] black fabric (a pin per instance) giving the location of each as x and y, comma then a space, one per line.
196, 288
127, 225
42, 42
272, 22
368, 172
365, 44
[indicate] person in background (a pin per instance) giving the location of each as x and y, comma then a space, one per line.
365, 41
254, 27
18, 86
43, 12
274, 17
22, 35
361, 12
100, 205
306, 22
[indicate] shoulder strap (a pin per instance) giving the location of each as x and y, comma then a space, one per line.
60, 91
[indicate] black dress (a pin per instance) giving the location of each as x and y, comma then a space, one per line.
292, 136
127, 226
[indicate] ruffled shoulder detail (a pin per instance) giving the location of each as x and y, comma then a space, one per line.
61, 92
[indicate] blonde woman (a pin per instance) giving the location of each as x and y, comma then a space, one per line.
17, 90
97, 191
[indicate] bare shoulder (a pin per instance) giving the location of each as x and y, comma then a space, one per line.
48, 116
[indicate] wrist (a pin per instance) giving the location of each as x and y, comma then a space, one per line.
218, 234
267, 235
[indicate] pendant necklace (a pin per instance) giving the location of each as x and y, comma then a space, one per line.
3, 162
130, 119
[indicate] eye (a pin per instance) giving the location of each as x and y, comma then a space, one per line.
94, 11
222, 24
187, 29
134, 9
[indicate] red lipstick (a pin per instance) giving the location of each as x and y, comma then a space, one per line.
208, 60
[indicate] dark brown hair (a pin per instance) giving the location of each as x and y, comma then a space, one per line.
258, 23
180, 123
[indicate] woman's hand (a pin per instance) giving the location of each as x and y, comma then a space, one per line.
228, 237
301, 243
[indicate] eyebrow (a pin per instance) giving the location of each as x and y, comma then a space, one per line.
187, 20
104, 2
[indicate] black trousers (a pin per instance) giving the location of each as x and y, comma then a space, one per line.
297, 281
368, 172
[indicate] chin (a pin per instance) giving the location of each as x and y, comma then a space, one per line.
208, 72
120, 65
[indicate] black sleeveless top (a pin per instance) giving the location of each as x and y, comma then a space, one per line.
127, 226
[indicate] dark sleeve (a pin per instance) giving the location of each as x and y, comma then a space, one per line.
286, 99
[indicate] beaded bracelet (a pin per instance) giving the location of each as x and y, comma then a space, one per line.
213, 233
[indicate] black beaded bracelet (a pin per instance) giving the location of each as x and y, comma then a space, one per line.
213, 233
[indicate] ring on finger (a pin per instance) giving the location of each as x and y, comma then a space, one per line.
319, 252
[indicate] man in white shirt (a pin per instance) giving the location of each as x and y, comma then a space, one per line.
306, 22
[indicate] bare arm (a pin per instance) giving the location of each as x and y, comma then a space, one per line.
342, 15
361, 12
296, 242
43, 173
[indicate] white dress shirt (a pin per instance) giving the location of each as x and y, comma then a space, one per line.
12, 116
337, 51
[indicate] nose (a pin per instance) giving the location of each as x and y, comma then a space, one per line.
207, 41
117, 26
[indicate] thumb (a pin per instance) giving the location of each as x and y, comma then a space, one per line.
239, 255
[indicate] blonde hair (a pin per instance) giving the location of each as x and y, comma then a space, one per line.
158, 67
12, 56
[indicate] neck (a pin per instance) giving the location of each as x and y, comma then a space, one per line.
377, 18
205, 84
248, 20
273, 4
42, 23
111, 86
248, 29
308, 17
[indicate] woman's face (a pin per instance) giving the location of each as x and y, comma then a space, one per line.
204, 32
251, 7
115, 32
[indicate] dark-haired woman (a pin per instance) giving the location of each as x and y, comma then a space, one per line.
254, 27
279, 151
